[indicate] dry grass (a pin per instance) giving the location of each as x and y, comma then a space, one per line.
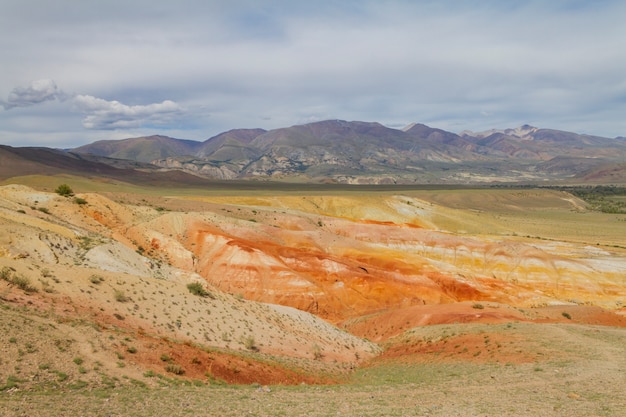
585, 378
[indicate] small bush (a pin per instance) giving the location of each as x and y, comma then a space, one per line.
121, 297
80, 201
12, 382
317, 352
478, 306
61, 376
96, 279
566, 315
78, 361
198, 289
6, 273
23, 283
174, 369
44, 210
64, 190
250, 343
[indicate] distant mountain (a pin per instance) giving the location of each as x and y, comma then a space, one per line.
142, 149
368, 152
46, 161
16, 162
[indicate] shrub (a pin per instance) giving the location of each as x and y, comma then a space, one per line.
61, 376
174, 369
5, 273
566, 315
478, 306
80, 201
250, 343
317, 352
23, 283
12, 382
44, 210
121, 297
198, 289
96, 279
64, 190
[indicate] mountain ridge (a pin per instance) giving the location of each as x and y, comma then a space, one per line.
368, 152
357, 152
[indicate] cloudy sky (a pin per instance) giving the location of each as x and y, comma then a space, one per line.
76, 71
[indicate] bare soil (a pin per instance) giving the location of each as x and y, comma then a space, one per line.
467, 303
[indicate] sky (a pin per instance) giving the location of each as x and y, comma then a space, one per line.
76, 71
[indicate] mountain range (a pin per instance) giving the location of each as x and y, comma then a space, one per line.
336, 151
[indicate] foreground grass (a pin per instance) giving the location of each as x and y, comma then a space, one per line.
586, 380
446, 391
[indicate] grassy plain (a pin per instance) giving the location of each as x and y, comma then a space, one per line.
505, 369
582, 376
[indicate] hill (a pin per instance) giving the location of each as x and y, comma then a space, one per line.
365, 152
275, 272
142, 149
385, 291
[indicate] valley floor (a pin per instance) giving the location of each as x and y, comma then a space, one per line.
587, 379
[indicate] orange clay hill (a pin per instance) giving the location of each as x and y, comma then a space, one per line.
294, 288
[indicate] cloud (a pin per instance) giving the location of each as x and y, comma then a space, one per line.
104, 114
37, 92
99, 113
453, 65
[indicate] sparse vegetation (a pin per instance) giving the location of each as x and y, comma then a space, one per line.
441, 362
12, 382
64, 190
19, 280
96, 279
250, 343
604, 198
174, 369
120, 296
317, 352
196, 288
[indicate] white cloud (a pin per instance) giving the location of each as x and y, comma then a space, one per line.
103, 114
37, 92
99, 113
